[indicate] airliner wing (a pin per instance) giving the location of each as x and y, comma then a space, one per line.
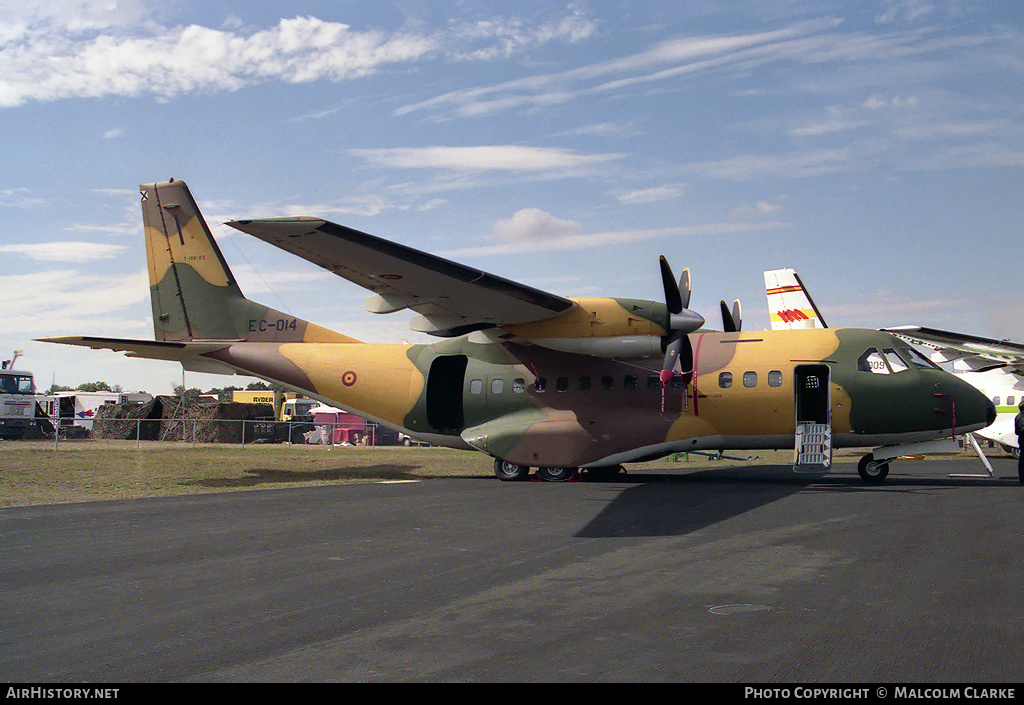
451, 298
976, 353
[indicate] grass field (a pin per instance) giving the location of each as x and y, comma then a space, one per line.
35, 472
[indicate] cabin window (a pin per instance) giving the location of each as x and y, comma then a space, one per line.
918, 360
749, 379
677, 381
584, 384
1010, 400
995, 400
497, 386
607, 383
871, 361
476, 386
896, 363
653, 382
725, 380
519, 385
775, 378
562, 384
630, 382
540, 384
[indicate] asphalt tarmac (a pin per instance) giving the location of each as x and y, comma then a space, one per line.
749, 575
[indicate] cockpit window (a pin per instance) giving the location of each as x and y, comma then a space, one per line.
896, 363
872, 361
918, 360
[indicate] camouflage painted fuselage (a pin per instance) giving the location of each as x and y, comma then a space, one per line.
576, 387
540, 407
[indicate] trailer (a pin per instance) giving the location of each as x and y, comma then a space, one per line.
73, 412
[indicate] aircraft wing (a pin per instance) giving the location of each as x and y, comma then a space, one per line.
978, 354
451, 298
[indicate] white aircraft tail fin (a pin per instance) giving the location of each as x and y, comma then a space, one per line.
789, 304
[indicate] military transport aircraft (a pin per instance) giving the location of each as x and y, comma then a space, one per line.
532, 379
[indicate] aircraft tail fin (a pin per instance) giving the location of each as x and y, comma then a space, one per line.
789, 304
194, 295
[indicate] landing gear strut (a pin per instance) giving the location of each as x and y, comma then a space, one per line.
873, 471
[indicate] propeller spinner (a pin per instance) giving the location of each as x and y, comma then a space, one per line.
681, 321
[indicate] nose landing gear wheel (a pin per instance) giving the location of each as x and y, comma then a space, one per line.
873, 471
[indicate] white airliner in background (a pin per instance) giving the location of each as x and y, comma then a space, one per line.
996, 367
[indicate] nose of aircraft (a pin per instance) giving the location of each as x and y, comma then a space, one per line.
973, 409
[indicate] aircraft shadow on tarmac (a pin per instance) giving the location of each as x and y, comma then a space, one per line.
265, 476
671, 504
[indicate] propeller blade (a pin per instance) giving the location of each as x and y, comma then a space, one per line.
728, 324
684, 287
678, 351
673, 297
737, 315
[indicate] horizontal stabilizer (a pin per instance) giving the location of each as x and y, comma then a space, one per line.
191, 355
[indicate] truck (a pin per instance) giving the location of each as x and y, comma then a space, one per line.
292, 417
17, 401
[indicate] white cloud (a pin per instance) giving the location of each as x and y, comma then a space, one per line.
648, 195
533, 224
789, 166
49, 55
18, 198
666, 60
509, 158
64, 251
876, 102
57, 301
908, 10
758, 209
584, 241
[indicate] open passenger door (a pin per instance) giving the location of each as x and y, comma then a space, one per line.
812, 399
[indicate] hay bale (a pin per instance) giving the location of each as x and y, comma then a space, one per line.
164, 419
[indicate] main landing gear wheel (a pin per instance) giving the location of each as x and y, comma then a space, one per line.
1010, 450
509, 472
555, 474
873, 471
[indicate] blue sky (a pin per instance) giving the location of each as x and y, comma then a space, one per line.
876, 147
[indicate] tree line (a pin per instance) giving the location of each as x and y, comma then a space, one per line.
191, 394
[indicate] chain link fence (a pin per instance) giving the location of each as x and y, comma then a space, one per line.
197, 431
